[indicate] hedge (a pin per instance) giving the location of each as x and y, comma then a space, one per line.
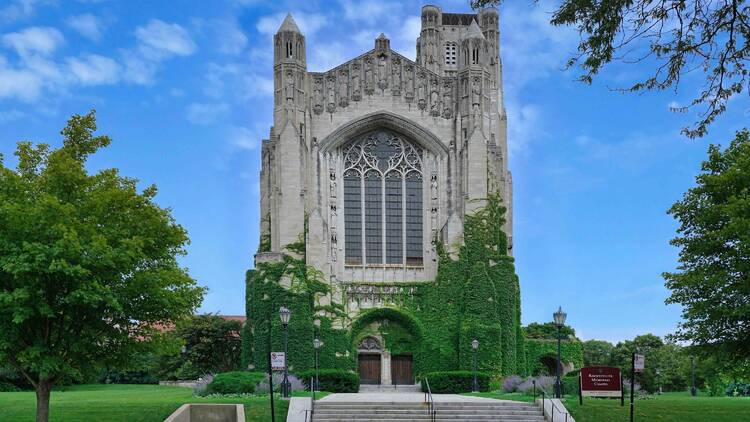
332, 380
453, 382
237, 382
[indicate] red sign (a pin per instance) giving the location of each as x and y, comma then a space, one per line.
601, 381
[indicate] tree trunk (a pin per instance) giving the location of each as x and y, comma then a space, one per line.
43, 389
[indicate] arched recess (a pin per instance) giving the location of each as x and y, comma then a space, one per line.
369, 316
384, 120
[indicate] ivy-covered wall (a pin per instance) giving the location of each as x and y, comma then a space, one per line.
536, 349
475, 295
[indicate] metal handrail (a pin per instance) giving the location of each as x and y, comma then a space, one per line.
553, 408
312, 400
429, 400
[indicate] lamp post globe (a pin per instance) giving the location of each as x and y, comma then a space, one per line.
474, 385
316, 345
285, 315
559, 318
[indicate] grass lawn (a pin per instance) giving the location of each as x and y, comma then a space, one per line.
121, 403
669, 407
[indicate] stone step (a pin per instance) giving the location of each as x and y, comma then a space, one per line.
412, 411
426, 418
420, 407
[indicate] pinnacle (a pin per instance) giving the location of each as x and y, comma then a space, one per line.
474, 31
289, 25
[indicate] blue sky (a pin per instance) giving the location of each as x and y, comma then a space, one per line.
183, 88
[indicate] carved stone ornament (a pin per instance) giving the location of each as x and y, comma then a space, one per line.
369, 343
421, 91
434, 98
331, 106
448, 99
396, 76
318, 95
343, 88
409, 70
369, 76
289, 88
383, 72
356, 88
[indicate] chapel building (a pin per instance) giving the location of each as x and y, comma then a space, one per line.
374, 165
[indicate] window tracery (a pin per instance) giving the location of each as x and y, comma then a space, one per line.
383, 207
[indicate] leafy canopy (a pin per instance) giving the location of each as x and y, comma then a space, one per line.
87, 262
672, 38
712, 283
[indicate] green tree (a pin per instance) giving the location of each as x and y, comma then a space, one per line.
547, 331
646, 345
212, 345
672, 38
712, 283
87, 262
597, 352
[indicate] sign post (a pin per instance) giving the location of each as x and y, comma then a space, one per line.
278, 361
637, 365
600, 381
270, 387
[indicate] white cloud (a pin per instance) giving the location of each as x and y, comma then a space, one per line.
367, 10
17, 83
524, 124
231, 39
159, 40
10, 115
138, 70
93, 69
87, 25
244, 138
205, 113
237, 80
35, 39
19, 9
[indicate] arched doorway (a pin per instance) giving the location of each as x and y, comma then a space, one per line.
386, 342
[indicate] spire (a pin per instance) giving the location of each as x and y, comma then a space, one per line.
474, 30
289, 25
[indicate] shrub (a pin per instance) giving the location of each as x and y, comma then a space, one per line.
294, 382
126, 377
511, 383
570, 385
6, 387
455, 381
543, 383
332, 380
237, 382
738, 389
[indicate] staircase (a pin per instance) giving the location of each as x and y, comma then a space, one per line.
501, 411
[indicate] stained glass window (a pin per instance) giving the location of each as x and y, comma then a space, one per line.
383, 201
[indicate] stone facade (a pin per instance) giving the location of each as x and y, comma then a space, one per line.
443, 113
448, 102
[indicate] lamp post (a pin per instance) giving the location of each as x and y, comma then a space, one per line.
316, 344
559, 318
474, 385
285, 314
693, 391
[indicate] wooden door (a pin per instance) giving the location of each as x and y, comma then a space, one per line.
401, 369
369, 368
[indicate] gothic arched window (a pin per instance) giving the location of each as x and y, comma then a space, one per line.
382, 201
